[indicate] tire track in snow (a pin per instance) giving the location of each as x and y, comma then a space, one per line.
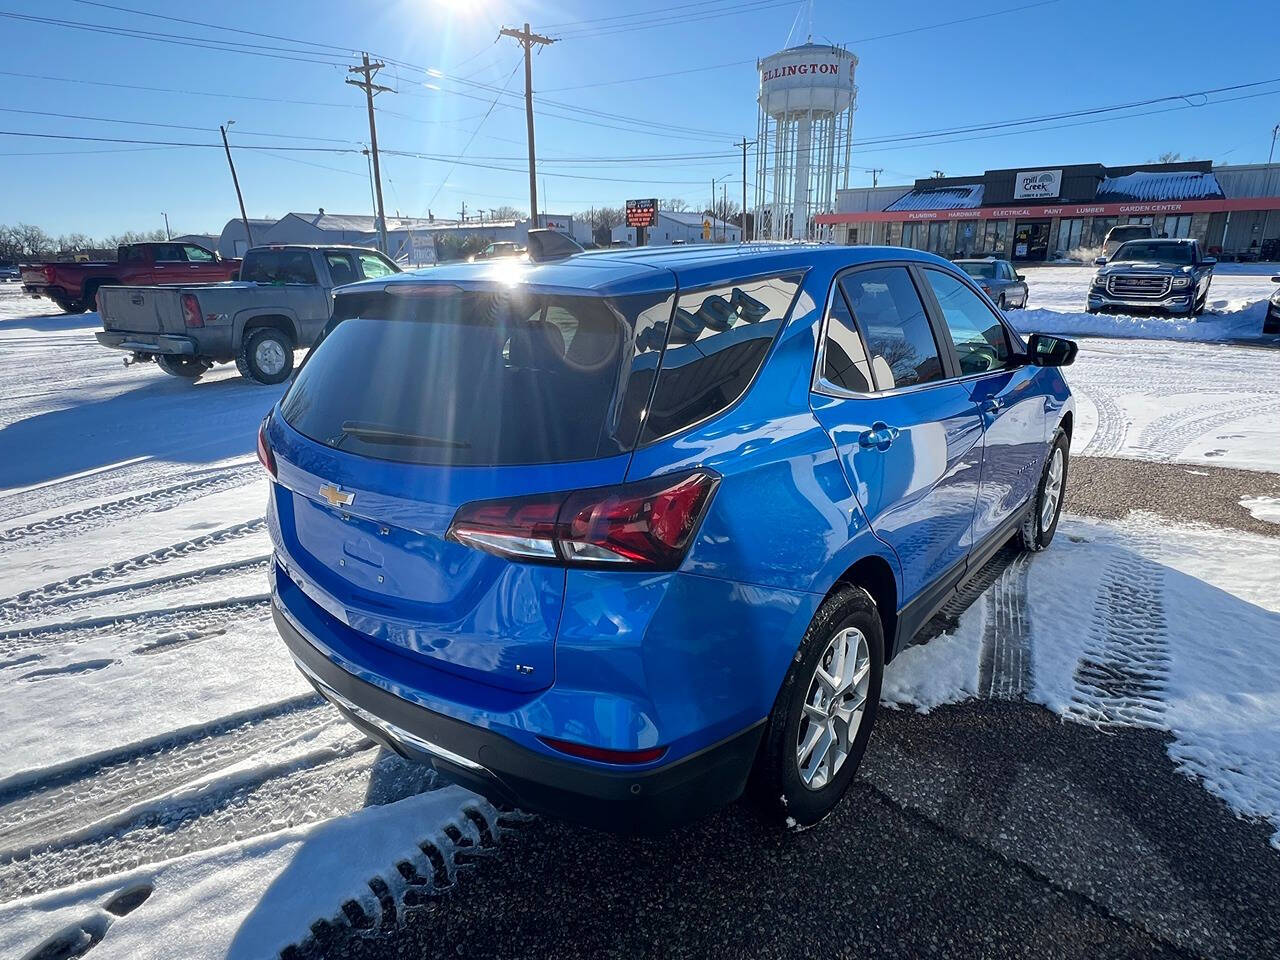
145, 561
152, 501
15, 611
1170, 434
1004, 666
1109, 437
1121, 678
193, 622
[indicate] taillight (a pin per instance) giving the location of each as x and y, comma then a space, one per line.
265, 456
191, 311
647, 524
48, 274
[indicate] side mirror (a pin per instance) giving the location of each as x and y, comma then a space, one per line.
1275, 279
1019, 276
1209, 261
1100, 262
1046, 351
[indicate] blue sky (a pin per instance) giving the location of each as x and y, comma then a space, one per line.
1055, 57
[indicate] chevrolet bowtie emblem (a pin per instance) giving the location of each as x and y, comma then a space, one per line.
336, 496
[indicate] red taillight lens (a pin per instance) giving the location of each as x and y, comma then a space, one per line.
191, 315
601, 755
48, 274
648, 524
265, 456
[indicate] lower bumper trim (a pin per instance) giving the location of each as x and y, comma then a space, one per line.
619, 801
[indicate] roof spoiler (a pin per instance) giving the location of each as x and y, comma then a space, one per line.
545, 245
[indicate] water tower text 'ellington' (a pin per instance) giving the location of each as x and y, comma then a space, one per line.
807, 99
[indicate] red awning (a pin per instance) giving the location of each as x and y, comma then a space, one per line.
1061, 210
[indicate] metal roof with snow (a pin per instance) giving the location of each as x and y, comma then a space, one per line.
1147, 187
964, 197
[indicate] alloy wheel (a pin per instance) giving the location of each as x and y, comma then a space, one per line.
1052, 489
833, 708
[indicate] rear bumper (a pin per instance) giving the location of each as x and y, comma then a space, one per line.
147, 342
604, 796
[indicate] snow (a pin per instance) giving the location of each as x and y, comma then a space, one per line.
1234, 311
252, 899
1263, 508
1146, 185
1149, 624
944, 670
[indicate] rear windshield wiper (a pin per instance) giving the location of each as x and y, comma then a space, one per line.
373, 433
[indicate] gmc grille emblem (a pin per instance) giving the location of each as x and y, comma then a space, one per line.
336, 496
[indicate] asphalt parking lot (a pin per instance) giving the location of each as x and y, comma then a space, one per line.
990, 828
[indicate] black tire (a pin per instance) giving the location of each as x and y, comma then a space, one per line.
67, 305
251, 362
188, 368
1034, 535
776, 780
91, 296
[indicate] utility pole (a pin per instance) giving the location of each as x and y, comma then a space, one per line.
368, 71
527, 40
244, 217
464, 211
1275, 131
167, 234
875, 176
744, 144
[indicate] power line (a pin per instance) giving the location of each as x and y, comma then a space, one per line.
169, 126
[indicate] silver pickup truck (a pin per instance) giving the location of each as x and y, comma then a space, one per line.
280, 303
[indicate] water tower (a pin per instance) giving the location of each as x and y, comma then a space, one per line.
807, 98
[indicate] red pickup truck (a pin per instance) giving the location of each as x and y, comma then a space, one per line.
74, 286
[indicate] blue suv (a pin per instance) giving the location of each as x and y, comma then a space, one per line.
620, 536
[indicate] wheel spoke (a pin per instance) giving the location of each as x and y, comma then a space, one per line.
805, 752
826, 679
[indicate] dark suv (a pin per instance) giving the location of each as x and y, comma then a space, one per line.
1171, 276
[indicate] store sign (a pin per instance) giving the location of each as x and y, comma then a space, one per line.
1037, 185
1059, 210
642, 213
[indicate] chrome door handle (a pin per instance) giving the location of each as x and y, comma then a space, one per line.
991, 405
879, 437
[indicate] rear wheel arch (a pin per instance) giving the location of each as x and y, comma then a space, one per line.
274, 320
1068, 420
874, 574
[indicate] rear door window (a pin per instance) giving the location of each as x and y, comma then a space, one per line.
341, 269
719, 338
979, 336
169, 253
487, 378
899, 338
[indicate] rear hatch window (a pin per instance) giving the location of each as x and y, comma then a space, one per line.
495, 377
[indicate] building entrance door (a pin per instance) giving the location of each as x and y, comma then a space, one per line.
1031, 240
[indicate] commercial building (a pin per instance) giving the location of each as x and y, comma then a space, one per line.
671, 227
1065, 211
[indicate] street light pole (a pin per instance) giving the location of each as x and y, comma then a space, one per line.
1275, 131
167, 234
244, 217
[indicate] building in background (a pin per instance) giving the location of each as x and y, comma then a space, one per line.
410, 241
1065, 211
672, 228
803, 139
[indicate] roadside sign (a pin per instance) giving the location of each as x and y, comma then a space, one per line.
706, 229
642, 213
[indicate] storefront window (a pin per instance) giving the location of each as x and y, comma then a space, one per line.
968, 238
1098, 232
1177, 226
1070, 235
913, 235
937, 237
995, 238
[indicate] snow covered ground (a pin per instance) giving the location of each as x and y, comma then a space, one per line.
169, 784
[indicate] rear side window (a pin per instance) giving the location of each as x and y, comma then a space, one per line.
844, 361
888, 308
718, 339
979, 337
340, 269
485, 378
169, 253
278, 266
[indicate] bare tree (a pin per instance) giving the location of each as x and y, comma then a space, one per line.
508, 213
674, 204
725, 209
